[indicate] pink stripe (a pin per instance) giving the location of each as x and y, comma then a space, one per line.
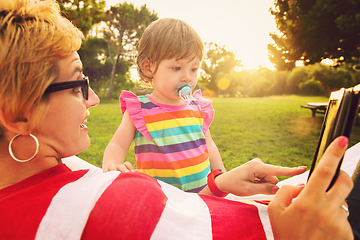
171, 157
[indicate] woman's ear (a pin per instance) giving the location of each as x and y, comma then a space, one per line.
19, 126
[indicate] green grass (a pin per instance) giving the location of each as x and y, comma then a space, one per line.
275, 129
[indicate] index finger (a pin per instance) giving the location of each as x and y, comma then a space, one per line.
324, 172
271, 170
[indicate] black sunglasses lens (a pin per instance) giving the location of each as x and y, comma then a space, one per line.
85, 90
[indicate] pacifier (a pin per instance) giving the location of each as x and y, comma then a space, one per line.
185, 92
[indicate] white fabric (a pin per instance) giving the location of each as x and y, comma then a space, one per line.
193, 219
76, 163
66, 219
265, 220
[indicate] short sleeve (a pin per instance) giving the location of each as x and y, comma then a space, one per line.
130, 102
206, 108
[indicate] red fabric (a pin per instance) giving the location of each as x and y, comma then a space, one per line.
129, 208
23, 205
127, 216
234, 220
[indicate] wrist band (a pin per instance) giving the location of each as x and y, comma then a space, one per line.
211, 183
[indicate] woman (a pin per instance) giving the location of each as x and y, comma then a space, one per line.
45, 102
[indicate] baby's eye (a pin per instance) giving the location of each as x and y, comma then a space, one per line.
176, 68
194, 69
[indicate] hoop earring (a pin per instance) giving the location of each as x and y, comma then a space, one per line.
25, 160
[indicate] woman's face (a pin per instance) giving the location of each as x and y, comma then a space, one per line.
62, 129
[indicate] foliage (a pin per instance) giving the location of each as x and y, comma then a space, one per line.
313, 30
83, 13
296, 77
125, 25
95, 58
312, 87
317, 80
93, 54
218, 63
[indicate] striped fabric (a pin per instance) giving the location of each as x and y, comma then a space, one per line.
169, 142
88, 204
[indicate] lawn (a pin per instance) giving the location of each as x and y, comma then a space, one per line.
275, 129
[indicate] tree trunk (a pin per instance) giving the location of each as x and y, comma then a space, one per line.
112, 77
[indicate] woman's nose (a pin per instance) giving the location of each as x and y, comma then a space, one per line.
93, 99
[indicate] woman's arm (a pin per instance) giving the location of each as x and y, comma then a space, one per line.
253, 177
118, 146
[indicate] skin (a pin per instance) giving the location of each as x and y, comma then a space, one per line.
170, 73
61, 133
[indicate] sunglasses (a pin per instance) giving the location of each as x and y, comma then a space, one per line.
83, 83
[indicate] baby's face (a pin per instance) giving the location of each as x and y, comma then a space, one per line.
172, 75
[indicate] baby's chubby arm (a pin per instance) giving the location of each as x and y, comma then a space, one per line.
118, 146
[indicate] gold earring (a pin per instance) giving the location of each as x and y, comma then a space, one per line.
25, 160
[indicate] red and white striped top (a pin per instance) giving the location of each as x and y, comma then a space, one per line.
88, 204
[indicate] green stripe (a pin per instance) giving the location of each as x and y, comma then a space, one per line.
141, 140
143, 99
195, 184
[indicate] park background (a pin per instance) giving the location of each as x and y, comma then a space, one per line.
304, 50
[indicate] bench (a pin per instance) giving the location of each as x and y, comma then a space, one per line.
316, 108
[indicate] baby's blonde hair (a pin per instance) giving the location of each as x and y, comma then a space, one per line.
165, 39
33, 37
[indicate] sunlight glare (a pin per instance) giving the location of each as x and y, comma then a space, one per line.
328, 61
299, 63
223, 83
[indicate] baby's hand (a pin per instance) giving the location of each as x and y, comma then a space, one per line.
125, 167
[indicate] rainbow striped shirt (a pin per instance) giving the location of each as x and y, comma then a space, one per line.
169, 142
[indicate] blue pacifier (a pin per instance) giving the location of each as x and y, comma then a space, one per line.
185, 92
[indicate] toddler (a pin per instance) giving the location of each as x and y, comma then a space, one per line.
170, 127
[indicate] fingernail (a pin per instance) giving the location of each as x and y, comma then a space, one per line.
301, 185
343, 142
274, 189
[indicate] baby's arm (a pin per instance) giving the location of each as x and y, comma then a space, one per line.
214, 154
118, 146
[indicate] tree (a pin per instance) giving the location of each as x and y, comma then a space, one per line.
83, 13
125, 25
94, 55
313, 30
218, 62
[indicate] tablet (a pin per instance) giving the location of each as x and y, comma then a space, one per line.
339, 120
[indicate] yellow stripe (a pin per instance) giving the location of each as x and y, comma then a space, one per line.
177, 172
174, 123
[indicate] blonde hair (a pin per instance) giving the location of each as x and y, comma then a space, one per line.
33, 37
165, 39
